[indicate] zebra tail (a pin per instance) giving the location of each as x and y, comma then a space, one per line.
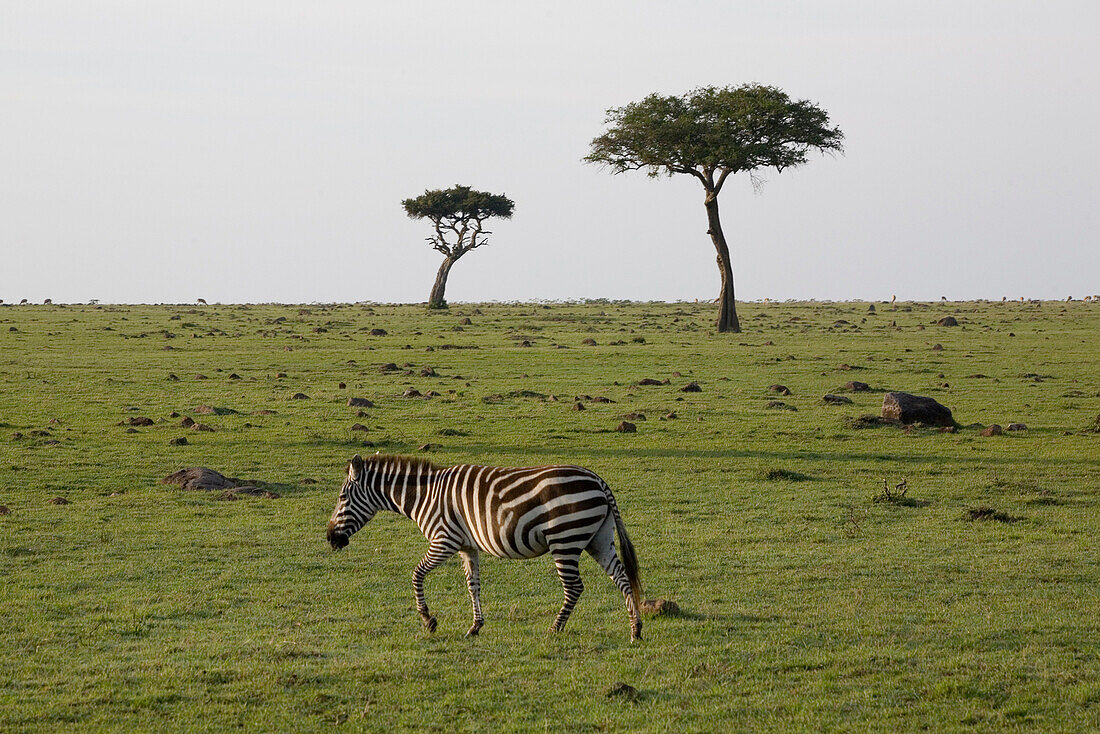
626, 549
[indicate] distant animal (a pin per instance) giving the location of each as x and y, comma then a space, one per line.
943, 298
202, 301
508, 513
1004, 298
23, 302
893, 298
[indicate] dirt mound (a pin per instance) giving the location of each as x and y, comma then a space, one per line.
200, 479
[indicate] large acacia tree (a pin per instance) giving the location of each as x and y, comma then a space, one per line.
458, 216
711, 133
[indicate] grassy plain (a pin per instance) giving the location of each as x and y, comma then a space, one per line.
806, 605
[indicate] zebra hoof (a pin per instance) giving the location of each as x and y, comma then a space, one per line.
430, 624
473, 631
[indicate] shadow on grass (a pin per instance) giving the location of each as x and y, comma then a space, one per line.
672, 453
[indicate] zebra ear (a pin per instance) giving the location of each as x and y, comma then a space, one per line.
356, 465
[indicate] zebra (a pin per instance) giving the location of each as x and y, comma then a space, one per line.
505, 512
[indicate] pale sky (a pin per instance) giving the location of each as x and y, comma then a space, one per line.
259, 151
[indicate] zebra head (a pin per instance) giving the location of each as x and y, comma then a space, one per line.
354, 506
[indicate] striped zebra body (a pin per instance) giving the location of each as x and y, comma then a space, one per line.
505, 512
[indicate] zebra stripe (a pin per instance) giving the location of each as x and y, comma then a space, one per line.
505, 512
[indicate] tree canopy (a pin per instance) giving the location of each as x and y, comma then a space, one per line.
457, 214
711, 133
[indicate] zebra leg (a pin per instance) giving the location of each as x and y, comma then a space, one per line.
567, 562
436, 555
473, 582
602, 549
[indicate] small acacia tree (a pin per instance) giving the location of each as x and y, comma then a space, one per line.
458, 215
711, 133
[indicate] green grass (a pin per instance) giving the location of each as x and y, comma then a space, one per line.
806, 604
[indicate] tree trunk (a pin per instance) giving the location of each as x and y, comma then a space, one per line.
436, 300
727, 305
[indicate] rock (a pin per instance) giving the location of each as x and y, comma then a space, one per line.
780, 389
626, 427
181, 441
857, 386
937, 347
589, 342
779, 405
411, 393
622, 690
388, 367
342, 386
648, 381
915, 409
466, 321
201, 377
634, 416
425, 447
691, 387
871, 308
359, 427
427, 372
199, 478
206, 410
601, 399
172, 377
4, 510
947, 321
280, 375
1016, 427
234, 376
359, 403
658, 607
137, 420
299, 396
58, 501
202, 427
836, 399
377, 332
578, 406
187, 422
993, 430
669, 416
948, 429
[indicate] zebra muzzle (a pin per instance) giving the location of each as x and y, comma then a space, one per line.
337, 540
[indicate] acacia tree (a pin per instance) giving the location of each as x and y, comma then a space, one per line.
711, 133
458, 215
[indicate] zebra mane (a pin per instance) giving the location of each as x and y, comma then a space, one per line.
413, 462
